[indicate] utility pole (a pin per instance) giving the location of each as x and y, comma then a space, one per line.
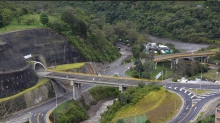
139, 73
166, 75
201, 74
201, 80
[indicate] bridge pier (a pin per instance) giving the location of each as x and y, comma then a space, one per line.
173, 62
76, 89
121, 88
205, 59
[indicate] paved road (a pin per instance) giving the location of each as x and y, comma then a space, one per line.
38, 112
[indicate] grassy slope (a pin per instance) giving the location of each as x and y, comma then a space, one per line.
67, 66
14, 26
159, 106
210, 75
42, 82
62, 107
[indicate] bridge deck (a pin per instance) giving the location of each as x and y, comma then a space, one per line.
182, 55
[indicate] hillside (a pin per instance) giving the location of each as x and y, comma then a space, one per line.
73, 23
157, 106
94, 26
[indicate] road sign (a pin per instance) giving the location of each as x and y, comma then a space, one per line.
158, 75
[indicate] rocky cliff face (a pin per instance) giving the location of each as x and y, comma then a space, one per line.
28, 99
44, 45
15, 73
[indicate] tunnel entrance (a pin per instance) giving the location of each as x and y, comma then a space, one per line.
39, 67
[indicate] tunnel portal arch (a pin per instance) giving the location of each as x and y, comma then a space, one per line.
38, 66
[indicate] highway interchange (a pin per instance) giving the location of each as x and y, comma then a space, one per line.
187, 113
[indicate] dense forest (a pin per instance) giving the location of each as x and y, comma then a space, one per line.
191, 21
95, 26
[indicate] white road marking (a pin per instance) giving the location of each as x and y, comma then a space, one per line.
201, 97
185, 91
186, 107
206, 95
189, 93
169, 87
193, 96
195, 108
181, 89
42, 115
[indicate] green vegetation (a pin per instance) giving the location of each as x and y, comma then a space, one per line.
209, 119
192, 21
69, 112
199, 92
67, 67
147, 70
40, 83
200, 115
210, 75
142, 99
215, 59
44, 18
189, 69
102, 92
95, 26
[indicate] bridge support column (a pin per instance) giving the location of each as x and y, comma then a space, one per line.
202, 59
192, 58
176, 61
155, 65
171, 65
76, 89
121, 88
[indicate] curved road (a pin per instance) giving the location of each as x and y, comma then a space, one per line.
38, 112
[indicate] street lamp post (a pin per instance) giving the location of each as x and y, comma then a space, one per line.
201, 80
201, 74
139, 73
166, 75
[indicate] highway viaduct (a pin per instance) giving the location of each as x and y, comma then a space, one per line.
76, 80
175, 57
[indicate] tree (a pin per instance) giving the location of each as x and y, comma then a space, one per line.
124, 98
120, 121
141, 84
136, 51
1, 21
44, 18
148, 66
